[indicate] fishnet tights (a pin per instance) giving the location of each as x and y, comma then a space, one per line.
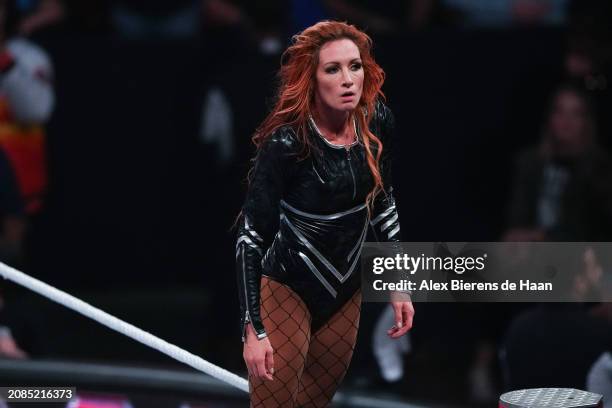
307, 369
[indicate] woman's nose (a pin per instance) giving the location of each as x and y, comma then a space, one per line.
347, 81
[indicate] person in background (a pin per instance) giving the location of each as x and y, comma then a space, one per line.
562, 187
27, 99
26, 103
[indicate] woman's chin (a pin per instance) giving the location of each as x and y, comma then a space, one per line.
346, 107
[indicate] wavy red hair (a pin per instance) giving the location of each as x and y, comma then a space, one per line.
295, 96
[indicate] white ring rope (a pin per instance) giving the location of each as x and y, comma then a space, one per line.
122, 327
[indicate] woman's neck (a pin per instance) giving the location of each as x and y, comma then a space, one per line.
335, 125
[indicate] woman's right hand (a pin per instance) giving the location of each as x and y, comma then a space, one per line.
258, 355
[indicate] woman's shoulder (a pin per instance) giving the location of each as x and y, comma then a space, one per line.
285, 134
283, 140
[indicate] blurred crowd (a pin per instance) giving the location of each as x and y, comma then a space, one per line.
561, 188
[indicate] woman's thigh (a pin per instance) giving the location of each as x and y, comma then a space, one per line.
287, 322
329, 355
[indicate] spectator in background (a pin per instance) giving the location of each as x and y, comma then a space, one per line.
26, 103
562, 192
562, 187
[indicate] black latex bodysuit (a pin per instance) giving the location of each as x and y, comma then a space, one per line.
304, 221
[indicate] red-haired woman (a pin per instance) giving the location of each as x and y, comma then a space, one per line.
321, 175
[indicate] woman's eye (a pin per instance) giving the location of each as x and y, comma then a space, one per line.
331, 70
356, 67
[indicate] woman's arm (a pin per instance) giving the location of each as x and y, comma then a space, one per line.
385, 218
259, 222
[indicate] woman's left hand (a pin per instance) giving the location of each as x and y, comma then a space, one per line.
404, 313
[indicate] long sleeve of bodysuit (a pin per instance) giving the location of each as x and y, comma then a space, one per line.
259, 222
385, 218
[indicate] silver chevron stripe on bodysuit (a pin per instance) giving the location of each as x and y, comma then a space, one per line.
389, 223
249, 237
383, 215
393, 232
251, 231
316, 273
359, 242
334, 216
247, 240
359, 250
316, 252
308, 245
356, 250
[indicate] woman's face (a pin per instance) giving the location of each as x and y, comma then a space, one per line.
339, 76
568, 119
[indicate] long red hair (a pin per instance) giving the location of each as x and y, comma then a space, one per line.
295, 96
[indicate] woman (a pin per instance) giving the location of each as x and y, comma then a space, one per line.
322, 173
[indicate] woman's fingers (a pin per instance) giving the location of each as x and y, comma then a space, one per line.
392, 330
270, 363
399, 332
258, 356
262, 372
404, 313
262, 368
